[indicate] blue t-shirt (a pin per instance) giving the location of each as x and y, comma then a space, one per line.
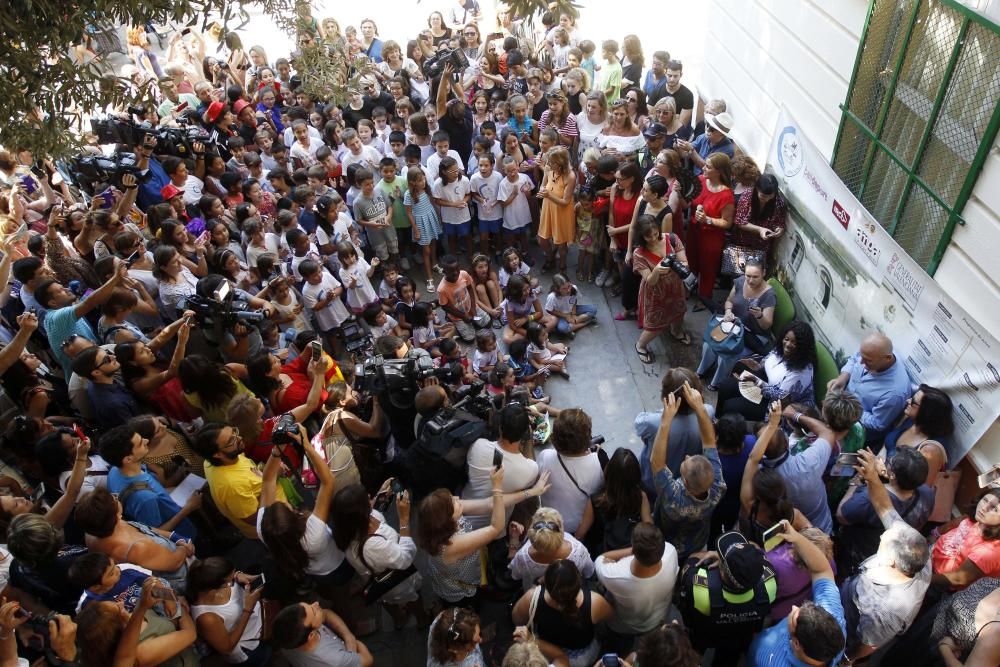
153, 506
773, 647
62, 323
112, 404
127, 592
858, 510
733, 465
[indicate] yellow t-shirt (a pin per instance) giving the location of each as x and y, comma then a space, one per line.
236, 491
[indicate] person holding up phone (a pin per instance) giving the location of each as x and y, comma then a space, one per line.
761, 217
813, 634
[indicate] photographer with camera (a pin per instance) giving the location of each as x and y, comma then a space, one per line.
395, 394
58, 634
152, 176
454, 115
662, 292
228, 317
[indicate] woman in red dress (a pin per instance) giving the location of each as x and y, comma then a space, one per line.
661, 294
711, 215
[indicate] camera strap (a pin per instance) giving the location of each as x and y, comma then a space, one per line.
570, 475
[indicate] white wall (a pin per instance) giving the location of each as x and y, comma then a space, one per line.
760, 54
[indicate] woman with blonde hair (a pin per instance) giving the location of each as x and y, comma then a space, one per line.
665, 113
591, 121
547, 542
141, 54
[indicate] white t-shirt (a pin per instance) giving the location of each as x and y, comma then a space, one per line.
96, 477
362, 293
305, 154
524, 567
387, 549
434, 162
385, 329
488, 189
563, 494
456, 192
369, 159
640, 604
517, 214
289, 138
193, 189
335, 313
271, 245
519, 473
324, 556
562, 304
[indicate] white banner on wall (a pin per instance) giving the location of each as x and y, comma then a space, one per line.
851, 278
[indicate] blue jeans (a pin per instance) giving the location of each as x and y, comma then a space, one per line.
564, 327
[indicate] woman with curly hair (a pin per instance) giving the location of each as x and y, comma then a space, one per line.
786, 371
454, 639
926, 424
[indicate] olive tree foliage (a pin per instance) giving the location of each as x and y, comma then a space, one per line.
47, 96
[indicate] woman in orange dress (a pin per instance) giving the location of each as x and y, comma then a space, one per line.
557, 226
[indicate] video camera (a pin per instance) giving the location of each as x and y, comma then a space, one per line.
397, 378
221, 310
95, 173
434, 66
357, 341
169, 140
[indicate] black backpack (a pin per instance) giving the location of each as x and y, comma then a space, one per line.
438, 457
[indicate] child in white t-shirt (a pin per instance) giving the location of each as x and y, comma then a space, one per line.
355, 274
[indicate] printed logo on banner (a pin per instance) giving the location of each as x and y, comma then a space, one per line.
907, 285
841, 214
790, 157
864, 237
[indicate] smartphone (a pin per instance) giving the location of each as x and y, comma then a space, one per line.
844, 465
108, 199
317, 349
610, 660
989, 477
258, 583
180, 107
497, 458
202, 238
39, 492
132, 259
163, 593
79, 432
396, 487
29, 184
21, 235
773, 536
188, 320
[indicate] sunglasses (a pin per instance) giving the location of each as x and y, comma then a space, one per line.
618, 103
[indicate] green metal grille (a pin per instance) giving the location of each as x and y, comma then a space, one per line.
920, 118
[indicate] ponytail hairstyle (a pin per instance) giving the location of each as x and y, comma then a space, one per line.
562, 582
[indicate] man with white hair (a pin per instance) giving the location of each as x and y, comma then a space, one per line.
882, 599
684, 506
880, 382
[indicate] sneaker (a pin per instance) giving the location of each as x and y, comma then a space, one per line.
537, 393
602, 277
404, 263
430, 286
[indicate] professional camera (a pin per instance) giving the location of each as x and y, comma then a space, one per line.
398, 377
357, 341
671, 262
169, 140
283, 430
434, 66
95, 173
222, 310
470, 397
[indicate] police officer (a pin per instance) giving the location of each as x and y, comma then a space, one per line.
725, 596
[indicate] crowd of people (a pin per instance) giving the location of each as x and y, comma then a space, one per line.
240, 382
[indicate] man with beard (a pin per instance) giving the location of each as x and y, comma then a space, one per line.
232, 478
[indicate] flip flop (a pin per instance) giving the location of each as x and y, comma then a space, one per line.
685, 339
645, 357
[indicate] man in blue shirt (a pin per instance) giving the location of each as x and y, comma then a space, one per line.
65, 315
880, 382
110, 402
142, 496
715, 140
813, 634
152, 174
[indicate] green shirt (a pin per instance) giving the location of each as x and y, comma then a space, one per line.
610, 76
393, 192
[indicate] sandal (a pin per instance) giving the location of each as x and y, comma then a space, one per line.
685, 339
645, 356
625, 315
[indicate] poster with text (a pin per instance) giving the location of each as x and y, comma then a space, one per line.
848, 278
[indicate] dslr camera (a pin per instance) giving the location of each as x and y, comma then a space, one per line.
283, 430
689, 279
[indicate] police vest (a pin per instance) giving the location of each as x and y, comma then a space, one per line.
711, 599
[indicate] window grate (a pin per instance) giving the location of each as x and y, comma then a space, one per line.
920, 118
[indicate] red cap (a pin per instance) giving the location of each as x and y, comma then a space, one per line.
169, 191
240, 105
215, 110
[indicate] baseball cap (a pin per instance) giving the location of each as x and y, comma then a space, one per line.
744, 561
169, 191
655, 130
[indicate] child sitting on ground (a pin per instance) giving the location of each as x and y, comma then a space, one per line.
544, 354
425, 334
379, 322
524, 372
562, 304
485, 356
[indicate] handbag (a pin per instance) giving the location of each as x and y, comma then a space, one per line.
735, 258
383, 582
724, 337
